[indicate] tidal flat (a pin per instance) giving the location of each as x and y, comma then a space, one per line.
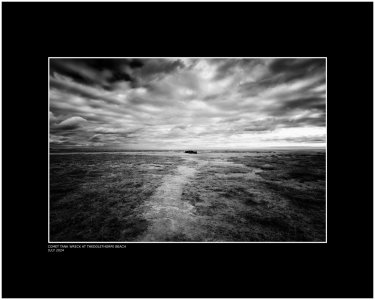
172, 196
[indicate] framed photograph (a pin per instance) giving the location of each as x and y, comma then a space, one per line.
187, 150
121, 165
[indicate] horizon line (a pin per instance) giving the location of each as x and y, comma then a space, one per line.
197, 149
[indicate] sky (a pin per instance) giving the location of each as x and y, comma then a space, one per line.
187, 103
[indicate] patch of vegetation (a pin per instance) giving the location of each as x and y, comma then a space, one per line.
97, 197
178, 237
303, 198
286, 202
304, 175
273, 196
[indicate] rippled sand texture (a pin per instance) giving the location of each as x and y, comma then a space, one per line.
173, 196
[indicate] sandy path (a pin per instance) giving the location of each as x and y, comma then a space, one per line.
166, 212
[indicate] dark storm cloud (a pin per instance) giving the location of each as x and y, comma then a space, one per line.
143, 103
105, 73
319, 121
300, 104
305, 103
290, 69
80, 90
157, 67
251, 89
97, 72
228, 67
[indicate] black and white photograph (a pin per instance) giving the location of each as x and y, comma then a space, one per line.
187, 150
211, 149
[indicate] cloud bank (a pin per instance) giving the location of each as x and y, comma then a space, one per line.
187, 103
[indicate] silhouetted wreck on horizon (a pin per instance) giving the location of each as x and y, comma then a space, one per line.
191, 152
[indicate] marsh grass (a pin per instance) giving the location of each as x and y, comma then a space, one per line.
284, 201
265, 196
95, 197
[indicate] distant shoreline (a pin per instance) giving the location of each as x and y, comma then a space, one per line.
82, 151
